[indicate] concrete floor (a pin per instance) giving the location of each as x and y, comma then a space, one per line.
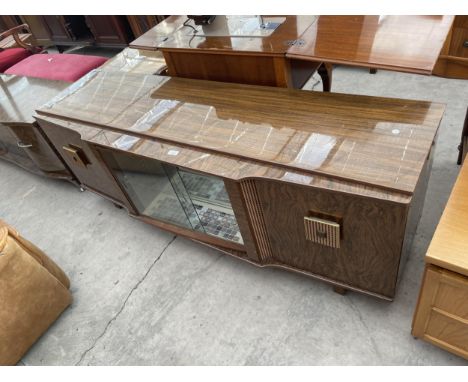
145, 297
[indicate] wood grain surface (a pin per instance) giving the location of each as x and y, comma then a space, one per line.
379, 142
449, 245
21, 96
284, 155
372, 235
403, 43
441, 315
21, 140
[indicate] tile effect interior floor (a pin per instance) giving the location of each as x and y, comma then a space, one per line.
145, 297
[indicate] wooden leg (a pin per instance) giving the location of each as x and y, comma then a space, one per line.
325, 72
461, 147
372, 70
339, 290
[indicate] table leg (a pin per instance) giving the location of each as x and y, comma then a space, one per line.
462, 149
325, 72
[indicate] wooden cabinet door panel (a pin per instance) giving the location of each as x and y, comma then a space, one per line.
38, 28
107, 29
371, 235
38, 149
58, 28
92, 173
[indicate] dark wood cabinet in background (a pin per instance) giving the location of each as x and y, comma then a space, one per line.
38, 29
141, 24
8, 22
76, 30
57, 28
68, 29
109, 30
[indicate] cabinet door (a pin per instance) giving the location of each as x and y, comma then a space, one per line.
84, 163
169, 194
109, 30
39, 29
58, 29
30, 139
10, 150
441, 316
342, 237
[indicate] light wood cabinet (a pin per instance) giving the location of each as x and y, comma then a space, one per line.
441, 315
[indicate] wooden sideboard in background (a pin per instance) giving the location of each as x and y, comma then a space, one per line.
141, 24
78, 30
7, 22
453, 60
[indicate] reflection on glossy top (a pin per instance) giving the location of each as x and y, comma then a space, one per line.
377, 141
21, 96
136, 61
406, 43
171, 34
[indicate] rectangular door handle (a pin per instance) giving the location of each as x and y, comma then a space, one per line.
77, 155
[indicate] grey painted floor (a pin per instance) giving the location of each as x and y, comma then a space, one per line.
143, 296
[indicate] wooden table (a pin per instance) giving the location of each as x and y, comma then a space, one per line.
441, 316
401, 43
302, 45
250, 60
328, 185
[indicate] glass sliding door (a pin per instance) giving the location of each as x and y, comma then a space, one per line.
149, 188
167, 193
212, 204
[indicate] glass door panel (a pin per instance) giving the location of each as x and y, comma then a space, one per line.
167, 193
211, 201
149, 188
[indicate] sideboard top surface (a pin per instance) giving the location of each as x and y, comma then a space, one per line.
380, 142
21, 96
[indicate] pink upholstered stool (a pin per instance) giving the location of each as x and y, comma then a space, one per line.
11, 56
63, 67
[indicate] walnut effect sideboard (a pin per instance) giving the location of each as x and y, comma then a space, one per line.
21, 140
328, 185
